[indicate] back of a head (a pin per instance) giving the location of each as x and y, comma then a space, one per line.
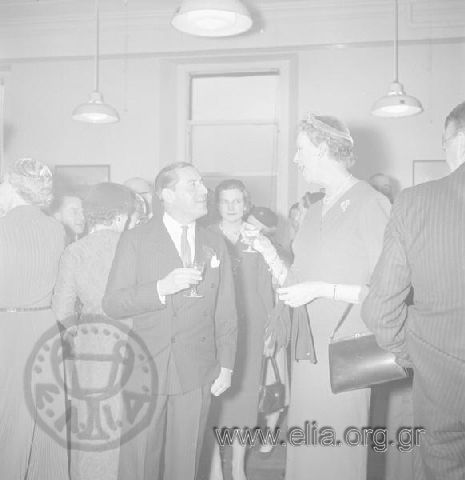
32, 180
138, 185
105, 201
457, 117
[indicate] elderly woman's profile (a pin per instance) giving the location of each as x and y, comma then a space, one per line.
336, 248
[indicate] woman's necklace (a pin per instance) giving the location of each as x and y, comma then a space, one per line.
328, 202
231, 235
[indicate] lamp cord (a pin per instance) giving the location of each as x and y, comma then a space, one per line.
97, 44
396, 41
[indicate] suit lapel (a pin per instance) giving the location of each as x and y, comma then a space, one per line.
165, 251
200, 244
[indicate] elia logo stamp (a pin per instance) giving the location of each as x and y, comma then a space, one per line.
92, 386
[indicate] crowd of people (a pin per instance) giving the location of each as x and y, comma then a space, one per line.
212, 301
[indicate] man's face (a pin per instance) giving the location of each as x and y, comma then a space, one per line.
383, 185
71, 214
187, 200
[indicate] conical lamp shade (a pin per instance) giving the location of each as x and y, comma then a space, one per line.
95, 111
212, 18
396, 103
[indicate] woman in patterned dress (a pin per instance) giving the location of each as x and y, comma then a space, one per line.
83, 275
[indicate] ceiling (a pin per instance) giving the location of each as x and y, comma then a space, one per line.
44, 28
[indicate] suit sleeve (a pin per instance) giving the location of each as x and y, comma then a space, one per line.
225, 312
124, 296
384, 310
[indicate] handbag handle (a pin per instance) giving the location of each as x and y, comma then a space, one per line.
275, 368
341, 321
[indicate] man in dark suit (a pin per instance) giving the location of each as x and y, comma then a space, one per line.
424, 247
192, 340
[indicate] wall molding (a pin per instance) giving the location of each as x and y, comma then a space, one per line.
65, 28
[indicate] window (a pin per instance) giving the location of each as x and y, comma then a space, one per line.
233, 128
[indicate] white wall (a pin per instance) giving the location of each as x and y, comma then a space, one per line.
40, 95
39, 99
346, 82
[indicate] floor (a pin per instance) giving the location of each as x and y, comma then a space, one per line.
258, 466
267, 468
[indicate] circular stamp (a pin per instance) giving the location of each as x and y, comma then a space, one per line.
93, 386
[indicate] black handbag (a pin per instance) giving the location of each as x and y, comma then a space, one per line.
271, 398
358, 361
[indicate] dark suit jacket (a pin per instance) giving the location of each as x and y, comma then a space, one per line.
199, 334
424, 247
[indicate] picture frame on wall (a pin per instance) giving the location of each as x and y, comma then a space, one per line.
82, 175
427, 170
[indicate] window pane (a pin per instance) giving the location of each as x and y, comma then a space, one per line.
234, 97
234, 148
262, 189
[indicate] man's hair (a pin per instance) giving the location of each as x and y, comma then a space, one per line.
168, 176
61, 190
457, 116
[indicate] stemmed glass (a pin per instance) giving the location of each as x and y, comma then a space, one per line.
198, 265
249, 233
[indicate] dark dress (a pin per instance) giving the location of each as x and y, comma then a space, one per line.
30, 247
254, 301
341, 247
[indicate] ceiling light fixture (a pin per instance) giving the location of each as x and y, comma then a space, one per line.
212, 18
396, 103
96, 110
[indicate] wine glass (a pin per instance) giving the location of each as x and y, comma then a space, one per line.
198, 265
249, 233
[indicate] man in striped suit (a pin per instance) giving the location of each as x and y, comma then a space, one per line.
424, 248
190, 336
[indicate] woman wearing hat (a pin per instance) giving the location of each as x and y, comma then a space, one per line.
336, 249
31, 245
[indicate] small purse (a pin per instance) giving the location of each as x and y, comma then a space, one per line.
271, 398
358, 361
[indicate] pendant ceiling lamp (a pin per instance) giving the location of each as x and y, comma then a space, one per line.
396, 103
96, 110
212, 18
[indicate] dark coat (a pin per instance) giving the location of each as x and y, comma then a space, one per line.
424, 248
199, 334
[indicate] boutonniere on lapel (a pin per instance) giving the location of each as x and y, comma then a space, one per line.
345, 205
210, 257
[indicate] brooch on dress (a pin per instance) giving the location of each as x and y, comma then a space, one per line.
344, 205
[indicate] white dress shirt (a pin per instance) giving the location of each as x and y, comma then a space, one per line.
175, 231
